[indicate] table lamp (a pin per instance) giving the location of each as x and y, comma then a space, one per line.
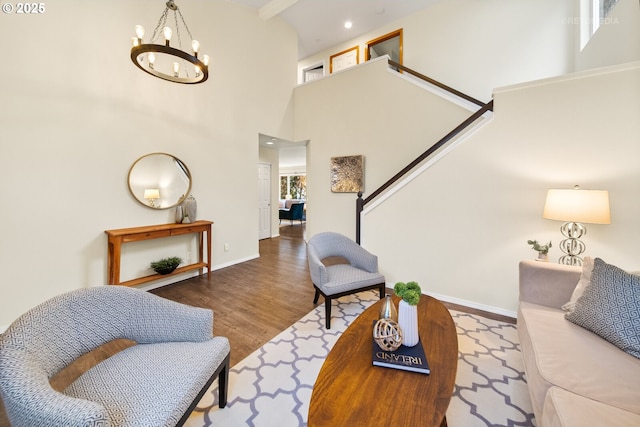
575, 207
152, 194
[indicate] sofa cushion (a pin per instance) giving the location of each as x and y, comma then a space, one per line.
558, 352
610, 307
565, 409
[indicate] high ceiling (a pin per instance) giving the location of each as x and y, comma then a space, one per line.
320, 23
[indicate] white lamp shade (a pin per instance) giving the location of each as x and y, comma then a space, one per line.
575, 205
152, 193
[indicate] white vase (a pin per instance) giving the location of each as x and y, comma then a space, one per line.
408, 321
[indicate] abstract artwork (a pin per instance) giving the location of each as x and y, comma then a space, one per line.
347, 174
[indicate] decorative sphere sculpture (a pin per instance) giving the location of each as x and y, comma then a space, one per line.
387, 334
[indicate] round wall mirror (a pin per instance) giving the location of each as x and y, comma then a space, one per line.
159, 180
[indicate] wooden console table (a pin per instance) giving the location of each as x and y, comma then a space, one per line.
116, 238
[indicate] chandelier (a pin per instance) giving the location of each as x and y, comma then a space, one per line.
164, 61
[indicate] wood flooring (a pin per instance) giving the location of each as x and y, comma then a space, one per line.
252, 301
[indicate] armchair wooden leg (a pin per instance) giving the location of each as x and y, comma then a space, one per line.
327, 312
223, 384
383, 290
315, 298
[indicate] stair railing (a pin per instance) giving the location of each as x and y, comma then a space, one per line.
361, 203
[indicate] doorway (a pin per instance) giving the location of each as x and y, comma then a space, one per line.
389, 44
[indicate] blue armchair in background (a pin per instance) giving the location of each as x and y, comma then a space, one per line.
295, 213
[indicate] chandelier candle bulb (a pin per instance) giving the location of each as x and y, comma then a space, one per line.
152, 59
205, 60
167, 34
195, 44
140, 31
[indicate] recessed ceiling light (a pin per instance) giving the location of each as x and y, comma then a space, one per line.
348, 24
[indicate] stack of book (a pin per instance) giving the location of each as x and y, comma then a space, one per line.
405, 358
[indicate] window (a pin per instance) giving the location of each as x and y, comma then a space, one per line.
293, 186
593, 14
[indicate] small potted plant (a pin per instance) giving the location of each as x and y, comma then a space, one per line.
542, 250
408, 311
166, 265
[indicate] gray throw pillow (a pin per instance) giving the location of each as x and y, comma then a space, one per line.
610, 307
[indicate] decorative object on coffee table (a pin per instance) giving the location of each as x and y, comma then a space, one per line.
543, 250
388, 310
166, 265
408, 311
387, 334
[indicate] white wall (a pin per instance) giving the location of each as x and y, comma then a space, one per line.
76, 113
475, 46
463, 227
465, 222
390, 126
617, 40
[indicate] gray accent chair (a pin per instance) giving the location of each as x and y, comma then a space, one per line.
156, 382
335, 281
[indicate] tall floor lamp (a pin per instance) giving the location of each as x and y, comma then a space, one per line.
575, 207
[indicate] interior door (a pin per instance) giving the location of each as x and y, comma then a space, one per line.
264, 201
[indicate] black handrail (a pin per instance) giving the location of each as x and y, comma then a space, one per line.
436, 83
360, 202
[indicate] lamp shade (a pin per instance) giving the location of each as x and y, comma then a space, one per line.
152, 193
575, 205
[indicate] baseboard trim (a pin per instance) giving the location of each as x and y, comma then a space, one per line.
234, 262
475, 305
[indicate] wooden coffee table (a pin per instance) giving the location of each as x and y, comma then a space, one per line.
350, 391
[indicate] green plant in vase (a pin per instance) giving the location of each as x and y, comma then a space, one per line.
166, 265
542, 250
410, 293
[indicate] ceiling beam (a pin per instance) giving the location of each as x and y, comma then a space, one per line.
274, 7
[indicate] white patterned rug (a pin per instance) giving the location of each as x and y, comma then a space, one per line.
272, 386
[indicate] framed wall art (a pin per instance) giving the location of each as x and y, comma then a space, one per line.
347, 174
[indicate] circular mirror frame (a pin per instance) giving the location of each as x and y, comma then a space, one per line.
171, 203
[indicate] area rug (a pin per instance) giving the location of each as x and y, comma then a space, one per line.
272, 386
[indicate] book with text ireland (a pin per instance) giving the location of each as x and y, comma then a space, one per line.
405, 358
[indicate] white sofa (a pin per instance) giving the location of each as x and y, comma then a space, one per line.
575, 377
286, 203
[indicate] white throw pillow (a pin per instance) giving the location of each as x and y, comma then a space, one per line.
585, 280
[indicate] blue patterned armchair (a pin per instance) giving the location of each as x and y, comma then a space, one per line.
334, 281
156, 382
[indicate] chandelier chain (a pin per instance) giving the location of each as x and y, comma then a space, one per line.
161, 24
175, 18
